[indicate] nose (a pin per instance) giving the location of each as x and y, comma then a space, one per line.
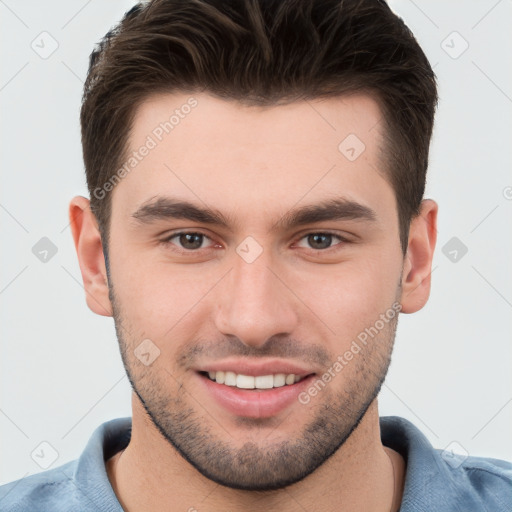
255, 302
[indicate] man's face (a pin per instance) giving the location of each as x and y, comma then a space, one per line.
256, 296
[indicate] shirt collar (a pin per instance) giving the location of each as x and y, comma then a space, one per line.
429, 484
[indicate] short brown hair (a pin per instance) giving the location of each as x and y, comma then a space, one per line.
261, 52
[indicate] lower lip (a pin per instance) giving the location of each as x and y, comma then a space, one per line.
252, 403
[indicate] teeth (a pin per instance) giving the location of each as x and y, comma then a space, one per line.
244, 381
290, 379
249, 382
230, 379
279, 380
264, 381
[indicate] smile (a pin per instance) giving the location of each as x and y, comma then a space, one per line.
253, 396
254, 382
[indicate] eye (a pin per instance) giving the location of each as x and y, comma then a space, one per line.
321, 241
190, 241
187, 240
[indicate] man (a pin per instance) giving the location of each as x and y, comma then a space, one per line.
256, 224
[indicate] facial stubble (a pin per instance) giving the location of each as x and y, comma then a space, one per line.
185, 422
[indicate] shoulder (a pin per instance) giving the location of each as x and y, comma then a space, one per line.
439, 479
487, 481
52, 490
81, 484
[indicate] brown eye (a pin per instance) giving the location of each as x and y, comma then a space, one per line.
186, 240
191, 240
322, 241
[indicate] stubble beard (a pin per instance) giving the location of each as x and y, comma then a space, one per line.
205, 444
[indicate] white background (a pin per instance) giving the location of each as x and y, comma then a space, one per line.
61, 373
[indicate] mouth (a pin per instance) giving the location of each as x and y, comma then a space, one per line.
253, 382
254, 396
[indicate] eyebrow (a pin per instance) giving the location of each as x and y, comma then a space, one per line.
165, 208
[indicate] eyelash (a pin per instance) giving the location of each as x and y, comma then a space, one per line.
167, 241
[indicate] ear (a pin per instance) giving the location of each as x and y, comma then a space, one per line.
91, 259
418, 259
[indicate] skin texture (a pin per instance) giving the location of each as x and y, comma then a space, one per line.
295, 302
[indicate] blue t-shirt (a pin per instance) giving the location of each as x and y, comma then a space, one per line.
435, 480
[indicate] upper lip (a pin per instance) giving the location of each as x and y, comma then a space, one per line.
256, 368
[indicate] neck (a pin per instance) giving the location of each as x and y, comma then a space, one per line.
362, 475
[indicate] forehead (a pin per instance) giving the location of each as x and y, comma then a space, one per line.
247, 159
210, 120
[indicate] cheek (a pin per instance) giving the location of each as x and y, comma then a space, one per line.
157, 297
351, 296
